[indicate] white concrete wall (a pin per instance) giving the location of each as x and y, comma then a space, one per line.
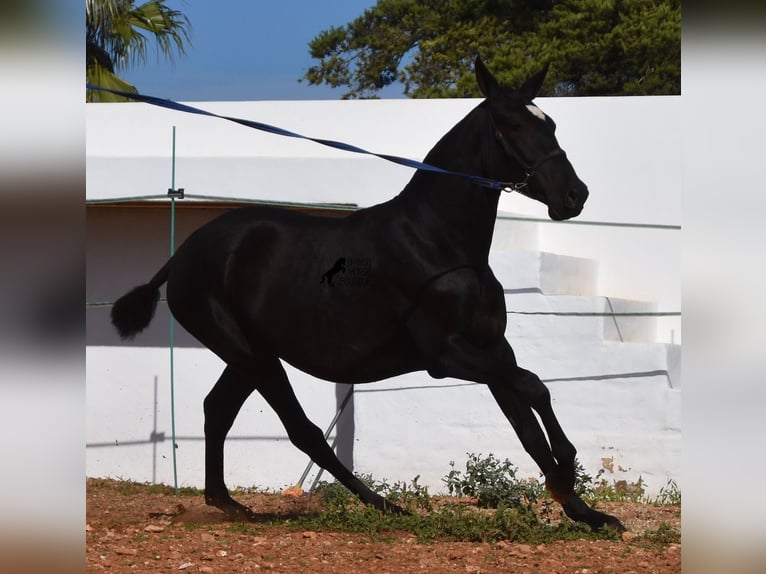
626, 149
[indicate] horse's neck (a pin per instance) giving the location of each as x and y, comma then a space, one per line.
450, 206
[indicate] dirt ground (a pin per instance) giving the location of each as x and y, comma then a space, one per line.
135, 529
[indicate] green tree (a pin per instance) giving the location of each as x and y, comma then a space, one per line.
594, 47
117, 37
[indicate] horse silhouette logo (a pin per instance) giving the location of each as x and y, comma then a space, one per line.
338, 267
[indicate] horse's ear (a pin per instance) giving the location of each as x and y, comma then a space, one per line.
487, 82
532, 85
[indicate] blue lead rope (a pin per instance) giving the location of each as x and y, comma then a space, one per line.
171, 105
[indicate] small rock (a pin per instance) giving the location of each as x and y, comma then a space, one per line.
88, 528
309, 534
126, 551
154, 528
222, 553
206, 537
523, 548
205, 570
501, 545
207, 557
472, 569
643, 565
185, 565
627, 536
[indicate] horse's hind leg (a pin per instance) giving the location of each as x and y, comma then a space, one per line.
276, 389
221, 407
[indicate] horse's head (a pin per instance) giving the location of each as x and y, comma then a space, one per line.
526, 149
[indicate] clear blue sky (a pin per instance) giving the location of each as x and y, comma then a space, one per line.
247, 50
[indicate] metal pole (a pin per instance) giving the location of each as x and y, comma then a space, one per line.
172, 194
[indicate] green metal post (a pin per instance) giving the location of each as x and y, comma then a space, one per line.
172, 320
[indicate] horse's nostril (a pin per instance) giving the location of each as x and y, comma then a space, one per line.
571, 199
576, 197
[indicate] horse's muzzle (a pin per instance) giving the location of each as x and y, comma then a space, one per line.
572, 205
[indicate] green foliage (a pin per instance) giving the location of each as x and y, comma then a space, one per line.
669, 494
661, 537
593, 489
411, 497
614, 47
492, 482
595, 47
446, 521
460, 523
131, 488
117, 35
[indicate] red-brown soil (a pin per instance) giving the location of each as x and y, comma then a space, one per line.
141, 529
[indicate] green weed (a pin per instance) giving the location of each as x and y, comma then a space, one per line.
132, 488
669, 494
492, 482
661, 537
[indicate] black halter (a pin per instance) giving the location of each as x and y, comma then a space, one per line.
529, 169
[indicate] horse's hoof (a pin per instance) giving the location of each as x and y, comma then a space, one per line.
396, 510
609, 521
615, 524
233, 510
241, 514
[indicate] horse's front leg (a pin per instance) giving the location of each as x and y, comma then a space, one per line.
517, 392
559, 474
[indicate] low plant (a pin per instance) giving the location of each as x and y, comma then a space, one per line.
131, 488
410, 496
510, 508
664, 535
669, 494
594, 489
446, 520
492, 482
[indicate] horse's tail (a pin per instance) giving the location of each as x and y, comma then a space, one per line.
133, 312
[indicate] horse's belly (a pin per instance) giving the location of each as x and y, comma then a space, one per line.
350, 360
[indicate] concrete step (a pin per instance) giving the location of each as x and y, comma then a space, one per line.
548, 273
559, 339
597, 315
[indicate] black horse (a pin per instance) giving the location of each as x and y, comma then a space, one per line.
246, 285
